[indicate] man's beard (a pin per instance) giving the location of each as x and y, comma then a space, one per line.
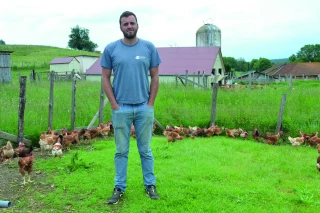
130, 36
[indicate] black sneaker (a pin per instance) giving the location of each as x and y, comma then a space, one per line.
152, 192
116, 195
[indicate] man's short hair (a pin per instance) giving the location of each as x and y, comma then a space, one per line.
127, 14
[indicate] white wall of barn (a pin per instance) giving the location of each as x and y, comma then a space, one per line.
62, 68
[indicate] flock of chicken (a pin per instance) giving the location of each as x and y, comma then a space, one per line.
51, 142
55, 142
24, 155
174, 133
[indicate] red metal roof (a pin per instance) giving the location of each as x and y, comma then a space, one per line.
176, 60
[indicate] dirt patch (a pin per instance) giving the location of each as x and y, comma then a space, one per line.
12, 188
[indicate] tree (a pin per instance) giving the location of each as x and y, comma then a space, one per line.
292, 58
262, 64
242, 65
2, 42
309, 53
80, 40
252, 63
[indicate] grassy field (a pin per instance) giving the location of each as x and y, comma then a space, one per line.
26, 57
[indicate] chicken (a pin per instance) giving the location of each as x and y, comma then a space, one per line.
46, 142
172, 136
314, 137
105, 129
232, 133
256, 134
23, 152
68, 140
209, 131
7, 152
25, 166
296, 141
244, 134
91, 134
306, 136
218, 130
272, 139
132, 131
57, 149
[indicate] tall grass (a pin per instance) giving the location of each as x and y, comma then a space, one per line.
239, 107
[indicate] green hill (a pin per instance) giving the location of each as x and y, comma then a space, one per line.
38, 57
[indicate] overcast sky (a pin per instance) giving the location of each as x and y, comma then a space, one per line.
249, 29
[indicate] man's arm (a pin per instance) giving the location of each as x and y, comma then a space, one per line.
154, 85
106, 83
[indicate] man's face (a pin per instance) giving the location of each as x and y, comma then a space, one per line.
129, 27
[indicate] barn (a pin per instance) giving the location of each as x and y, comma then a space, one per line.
178, 60
5, 67
280, 72
65, 65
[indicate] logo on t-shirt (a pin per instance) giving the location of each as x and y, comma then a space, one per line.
140, 57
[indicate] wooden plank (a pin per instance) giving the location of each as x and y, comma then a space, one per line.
97, 114
13, 138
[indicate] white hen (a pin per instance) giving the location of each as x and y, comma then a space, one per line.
296, 141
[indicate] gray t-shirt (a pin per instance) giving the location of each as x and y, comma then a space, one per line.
130, 66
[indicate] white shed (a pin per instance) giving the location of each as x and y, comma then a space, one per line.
65, 65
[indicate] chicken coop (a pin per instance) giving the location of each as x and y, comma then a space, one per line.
5, 67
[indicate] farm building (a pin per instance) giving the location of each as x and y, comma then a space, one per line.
177, 60
81, 64
86, 61
65, 65
5, 66
280, 72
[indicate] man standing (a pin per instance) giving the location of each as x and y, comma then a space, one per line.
131, 59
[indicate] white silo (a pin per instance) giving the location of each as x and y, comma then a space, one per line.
208, 35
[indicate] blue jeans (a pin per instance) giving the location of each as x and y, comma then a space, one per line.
142, 117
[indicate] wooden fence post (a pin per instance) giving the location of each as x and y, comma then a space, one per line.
73, 106
101, 103
283, 104
290, 82
250, 80
51, 99
198, 79
214, 103
176, 81
22, 104
186, 77
193, 79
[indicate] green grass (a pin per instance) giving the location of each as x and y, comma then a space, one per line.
216, 174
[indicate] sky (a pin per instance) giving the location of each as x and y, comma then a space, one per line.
250, 29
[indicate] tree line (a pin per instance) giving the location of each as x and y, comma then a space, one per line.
307, 53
